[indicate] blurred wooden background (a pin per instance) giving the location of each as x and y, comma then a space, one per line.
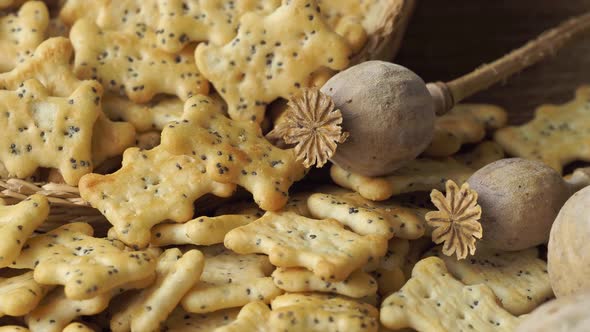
448, 38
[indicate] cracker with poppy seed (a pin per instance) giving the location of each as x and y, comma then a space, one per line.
233, 152
77, 327
44, 131
182, 321
387, 219
464, 124
154, 115
147, 140
50, 65
128, 64
56, 311
13, 328
324, 247
557, 136
296, 280
21, 33
128, 15
17, 223
215, 21
318, 312
432, 300
231, 280
388, 271
519, 279
176, 273
271, 56
253, 317
422, 174
199, 231
20, 294
151, 187
84, 265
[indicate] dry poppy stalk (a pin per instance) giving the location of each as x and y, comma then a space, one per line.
456, 222
313, 124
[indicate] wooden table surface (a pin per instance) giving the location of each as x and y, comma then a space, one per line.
448, 38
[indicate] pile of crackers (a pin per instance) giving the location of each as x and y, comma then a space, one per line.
167, 209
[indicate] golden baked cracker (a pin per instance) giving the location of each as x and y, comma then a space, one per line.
297, 203
110, 139
558, 135
50, 65
322, 246
182, 321
465, 123
176, 273
216, 21
234, 152
57, 28
77, 327
152, 186
199, 231
127, 15
127, 63
315, 312
44, 131
13, 328
366, 217
266, 60
295, 280
57, 311
422, 174
482, 154
17, 223
519, 279
148, 140
432, 300
253, 317
19, 295
85, 265
21, 33
389, 270
154, 115
346, 17
230, 280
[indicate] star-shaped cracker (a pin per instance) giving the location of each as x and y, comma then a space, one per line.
465, 123
85, 265
176, 273
253, 317
151, 187
315, 312
297, 280
388, 271
21, 33
322, 246
129, 15
182, 321
154, 115
388, 219
519, 279
57, 311
50, 65
558, 135
129, 64
272, 56
203, 231
21, 294
216, 21
44, 131
17, 223
231, 280
234, 152
432, 300
422, 174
